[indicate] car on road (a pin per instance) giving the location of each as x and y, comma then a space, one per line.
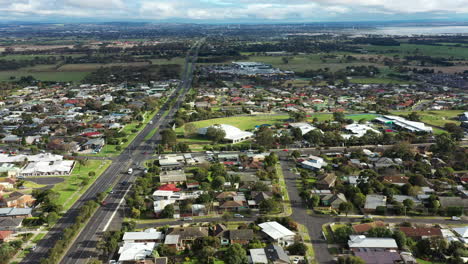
187, 219
285, 150
111, 191
296, 260
456, 218
33, 248
238, 216
103, 203
123, 183
130, 171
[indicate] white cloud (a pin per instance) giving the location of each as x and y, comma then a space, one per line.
274, 10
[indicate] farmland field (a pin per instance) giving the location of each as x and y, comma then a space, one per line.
427, 50
301, 63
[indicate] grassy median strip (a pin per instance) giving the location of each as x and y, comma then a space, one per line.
74, 185
310, 254
286, 202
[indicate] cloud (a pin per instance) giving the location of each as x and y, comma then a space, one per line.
230, 10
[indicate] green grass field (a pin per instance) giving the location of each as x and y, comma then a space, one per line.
411, 49
249, 122
70, 189
435, 118
300, 63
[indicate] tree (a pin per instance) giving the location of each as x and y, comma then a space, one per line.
298, 248
413, 116
342, 234
135, 213
269, 205
400, 239
408, 203
168, 137
206, 254
285, 60
380, 232
168, 211
314, 201
52, 218
339, 117
457, 132
235, 254
218, 182
264, 137
359, 200
346, 207
190, 130
215, 134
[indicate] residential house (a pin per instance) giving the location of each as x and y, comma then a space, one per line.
334, 200
149, 235
15, 212
241, 236
398, 180
365, 227
5, 235
373, 201
356, 243
276, 254
183, 237
8, 223
258, 256
446, 202
378, 257
173, 177
135, 252
421, 232
18, 199
313, 163
326, 182
278, 233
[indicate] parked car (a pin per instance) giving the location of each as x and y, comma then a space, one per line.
238, 216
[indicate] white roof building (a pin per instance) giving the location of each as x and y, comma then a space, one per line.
277, 231
44, 157
304, 127
461, 231
48, 168
404, 124
233, 134
135, 251
148, 235
314, 163
160, 204
358, 130
371, 242
258, 255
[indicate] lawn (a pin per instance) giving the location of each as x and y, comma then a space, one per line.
412, 49
249, 122
305, 236
286, 202
38, 237
300, 63
435, 118
110, 150
71, 189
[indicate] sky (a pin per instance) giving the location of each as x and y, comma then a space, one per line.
232, 11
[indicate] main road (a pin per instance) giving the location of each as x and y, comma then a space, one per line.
84, 247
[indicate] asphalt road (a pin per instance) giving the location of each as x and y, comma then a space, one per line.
84, 247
